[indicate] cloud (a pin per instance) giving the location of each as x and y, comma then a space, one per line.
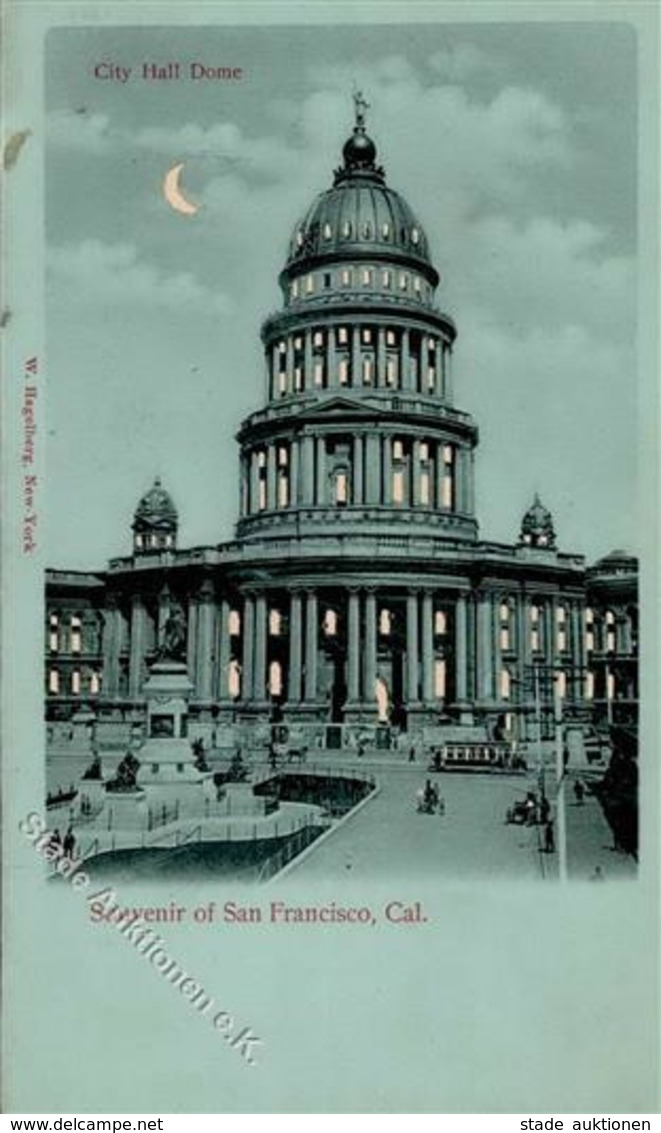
95, 273
455, 64
89, 133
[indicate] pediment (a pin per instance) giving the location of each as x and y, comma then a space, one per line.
339, 407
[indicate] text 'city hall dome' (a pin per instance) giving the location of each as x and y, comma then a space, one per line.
359, 216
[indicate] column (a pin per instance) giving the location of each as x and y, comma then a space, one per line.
224, 651
307, 462
372, 469
447, 370
206, 632
415, 473
440, 475
112, 644
320, 498
380, 380
191, 644
254, 484
137, 648
271, 477
460, 650
275, 367
470, 504
295, 648
523, 645
429, 365
369, 689
353, 647
358, 442
412, 647
259, 657
311, 617
484, 647
577, 645
331, 360
307, 371
355, 368
438, 377
549, 631
497, 653
294, 473
248, 633
289, 379
460, 479
427, 647
405, 361
386, 448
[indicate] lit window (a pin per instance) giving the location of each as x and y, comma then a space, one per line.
54, 681
424, 450
505, 684
385, 231
283, 456
275, 678
318, 373
425, 488
329, 625
391, 338
385, 623
403, 281
95, 683
534, 639
234, 623
309, 284
282, 346
341, 487
367, 334
417, 285
391, 371
298, 377
75, 682
589, 686
440, 677
342, 336
367, 277
75, 634
505, 638
300, 237
234, 679
283, 490
561, 684
504, 612
328, 231
561, 614
448, 454
282, 382
343, 371
346, 228
398, 486
53, 643
275, 623
139, 542
367, 231
318, 338
610, 618
368, 371
294, 289
610, 686
298, 343
431, 379
440, 622
386, 278
415, 235
345, 277
534, 613
397, 450
261, 504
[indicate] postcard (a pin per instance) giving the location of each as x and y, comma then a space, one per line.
330, 559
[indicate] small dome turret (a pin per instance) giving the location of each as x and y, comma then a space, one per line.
537, 526
155, 521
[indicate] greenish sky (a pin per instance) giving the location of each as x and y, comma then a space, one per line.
514, 143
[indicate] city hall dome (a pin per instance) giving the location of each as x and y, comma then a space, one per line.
155, 520
360, 217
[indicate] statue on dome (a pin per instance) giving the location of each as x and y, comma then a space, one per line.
361, 106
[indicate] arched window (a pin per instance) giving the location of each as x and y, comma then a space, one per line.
329, 624
234, 623
385, 623
275, 678
275, 623
234, 679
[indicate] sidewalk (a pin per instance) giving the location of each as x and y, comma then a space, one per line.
590, 843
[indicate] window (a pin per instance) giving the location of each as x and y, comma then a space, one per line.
385, 231
283, 456
346, 229
415, 235
329, 624
282, 347
342, 336
345, 277
75, 634
294, 289
341, 487
139, 542
283, 489
431, 379
298, 343
234, 679
398, 486
54, 682
95, 683
328, 232
368, 371
385, 623
367, 231
505, 681
425, 488
343, 371
309, 284
300, 237
589, 686
440, 677
386, 278
440, 622
328, 280
282, 382
53, 643
318, 373
610, 631
75, 682
447, 484
391, 338
424, 450
610, 686
318, 338
417, 285
298, 377
398, 450
275, 623
366, 335
367, 277
561, 684
234, 623
391, 372
275, 678
403, 281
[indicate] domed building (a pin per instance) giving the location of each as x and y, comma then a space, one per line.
357, 590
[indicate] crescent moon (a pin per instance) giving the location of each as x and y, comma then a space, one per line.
173, 193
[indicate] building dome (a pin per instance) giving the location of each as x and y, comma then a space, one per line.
614, 563
537, 526
155, 521
359, 217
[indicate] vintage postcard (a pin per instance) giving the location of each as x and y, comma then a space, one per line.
330, 558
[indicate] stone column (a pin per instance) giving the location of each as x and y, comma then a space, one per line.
331, 359
111, 646
549, 631
484, 647
275, 369
447, 370
412, 662
295, 648
415, 473
259, 658
438, 377
191, 643
429, 365
311, 617
380, 380
320, 498
289, 379
271, 477
497, 653
253, 503
369, 690
427, 648
248, 651
460, 650
294, 473
470, 504
137, 647
355, 367
372, 469
357, 478
224, 651
308, 382
353, 647
386, 448
440, 475
206, 633
307, 462
405, 361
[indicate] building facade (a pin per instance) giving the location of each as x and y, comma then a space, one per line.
357, 588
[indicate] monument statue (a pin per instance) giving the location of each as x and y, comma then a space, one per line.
172, 644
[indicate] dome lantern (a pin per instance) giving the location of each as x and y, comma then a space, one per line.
155, 521
537, 527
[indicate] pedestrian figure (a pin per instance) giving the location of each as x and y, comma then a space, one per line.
598, 874
549, 838
412, 753
69, 843
55, 840
544, 810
